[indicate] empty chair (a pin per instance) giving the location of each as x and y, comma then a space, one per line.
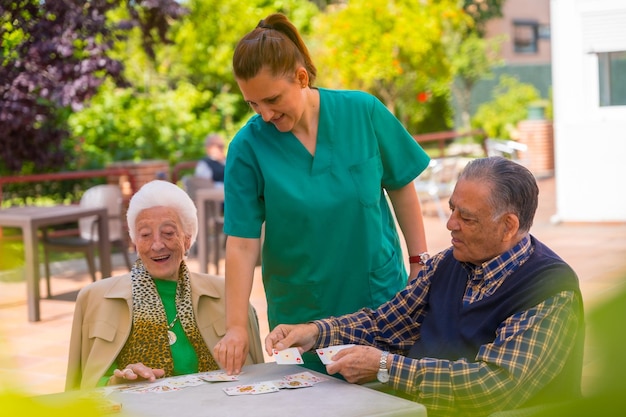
109, 196
215, 218
509, 149
437, 182
192, 183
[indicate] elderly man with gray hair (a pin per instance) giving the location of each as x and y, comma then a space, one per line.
160, 319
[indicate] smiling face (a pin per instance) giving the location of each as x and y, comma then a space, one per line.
161, 242
279, 100
478, 233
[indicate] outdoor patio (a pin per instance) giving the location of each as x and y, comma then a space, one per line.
33, 355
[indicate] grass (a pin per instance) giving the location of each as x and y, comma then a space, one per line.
12, 255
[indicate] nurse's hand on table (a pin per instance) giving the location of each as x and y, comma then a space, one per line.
357, 364
134, 373
302, 336
232, 350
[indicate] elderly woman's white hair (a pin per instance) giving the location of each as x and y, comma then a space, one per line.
163, 193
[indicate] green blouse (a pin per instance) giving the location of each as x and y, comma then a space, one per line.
183, 353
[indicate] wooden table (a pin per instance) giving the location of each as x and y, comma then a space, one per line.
332, 397
30, 219
209, 203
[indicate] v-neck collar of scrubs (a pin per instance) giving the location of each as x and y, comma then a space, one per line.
322, 160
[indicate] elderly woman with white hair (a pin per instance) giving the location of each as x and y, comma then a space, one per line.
160, 319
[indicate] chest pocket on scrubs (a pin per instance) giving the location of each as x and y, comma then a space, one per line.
367, 176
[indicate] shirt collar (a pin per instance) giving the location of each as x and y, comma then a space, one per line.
503, 264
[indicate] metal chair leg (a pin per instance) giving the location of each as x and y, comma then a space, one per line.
46, 259
91, 263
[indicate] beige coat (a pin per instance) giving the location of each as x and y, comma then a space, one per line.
102, 323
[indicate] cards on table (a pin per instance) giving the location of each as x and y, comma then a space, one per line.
294, 381
289, 356
326, 354
172, 384
217, 376
252, 389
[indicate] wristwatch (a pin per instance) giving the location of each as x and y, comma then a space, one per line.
419, 259
383, 373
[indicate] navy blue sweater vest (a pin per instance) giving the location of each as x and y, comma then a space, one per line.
216, 167
453, 331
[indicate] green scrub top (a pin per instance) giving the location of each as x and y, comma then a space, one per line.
331, 245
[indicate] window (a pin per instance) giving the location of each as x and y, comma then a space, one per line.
612, 77
544, 32
525, 36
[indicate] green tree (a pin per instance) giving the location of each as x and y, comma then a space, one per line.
54, 56
482, 11
472, 59
511, 98
394, 50
186, 91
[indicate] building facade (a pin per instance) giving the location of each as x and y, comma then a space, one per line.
589, 95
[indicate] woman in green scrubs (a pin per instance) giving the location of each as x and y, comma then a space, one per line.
315, 166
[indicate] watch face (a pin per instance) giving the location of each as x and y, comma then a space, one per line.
383, 376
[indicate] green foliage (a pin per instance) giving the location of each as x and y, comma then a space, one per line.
178, 91
122, 125
482, 11
184, 93
472, 59
511, 98
393, 50
55, 55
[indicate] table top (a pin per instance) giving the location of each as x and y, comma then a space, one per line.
331, 397
214, 193
43, 215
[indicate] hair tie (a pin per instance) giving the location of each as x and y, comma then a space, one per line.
264, 25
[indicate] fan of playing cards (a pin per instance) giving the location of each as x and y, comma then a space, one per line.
291, 356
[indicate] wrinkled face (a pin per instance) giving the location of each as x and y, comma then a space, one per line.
161, 242
279, 100
476, 235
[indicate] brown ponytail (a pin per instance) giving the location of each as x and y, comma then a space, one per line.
276, 44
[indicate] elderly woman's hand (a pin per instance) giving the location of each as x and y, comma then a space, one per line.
136, 372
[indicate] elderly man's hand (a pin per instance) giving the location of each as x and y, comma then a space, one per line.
283, 336
136, 372
357, 364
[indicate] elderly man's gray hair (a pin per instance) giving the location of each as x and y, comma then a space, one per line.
163, 193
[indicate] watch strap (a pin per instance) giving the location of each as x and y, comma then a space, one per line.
419, 259
382, 365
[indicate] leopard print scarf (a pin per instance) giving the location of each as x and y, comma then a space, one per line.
148, 341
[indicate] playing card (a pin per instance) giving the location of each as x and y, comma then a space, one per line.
326, 354
289, 356
252, 389
217, 376
305, 376
182, 381
155, 387
292, 383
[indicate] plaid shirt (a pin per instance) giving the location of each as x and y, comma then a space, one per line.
529, 349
